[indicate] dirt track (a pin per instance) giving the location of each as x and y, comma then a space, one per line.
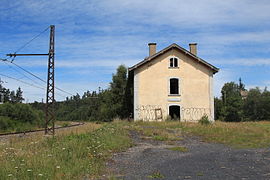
150, 159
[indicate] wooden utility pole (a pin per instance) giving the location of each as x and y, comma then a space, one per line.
50, 116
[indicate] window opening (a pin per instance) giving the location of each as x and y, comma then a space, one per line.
173, 62
174, 86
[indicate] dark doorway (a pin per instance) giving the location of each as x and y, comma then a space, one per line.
174, 112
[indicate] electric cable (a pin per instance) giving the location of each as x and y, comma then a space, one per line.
22, 74
23, 46
5, 60
22, 81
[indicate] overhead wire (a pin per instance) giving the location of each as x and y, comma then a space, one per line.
59, 89
29, 84
21, 81
28, 72
23, 46
21, 73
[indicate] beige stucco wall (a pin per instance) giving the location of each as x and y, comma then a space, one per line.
151, 88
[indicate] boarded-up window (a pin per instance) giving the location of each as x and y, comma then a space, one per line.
174, 86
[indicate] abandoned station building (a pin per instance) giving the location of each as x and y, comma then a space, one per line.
173, 82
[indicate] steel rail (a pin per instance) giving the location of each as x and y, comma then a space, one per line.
38, 130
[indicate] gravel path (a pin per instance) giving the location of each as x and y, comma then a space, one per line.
151, 159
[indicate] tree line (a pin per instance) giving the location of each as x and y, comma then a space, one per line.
239, 104
16, 116
11, 96
104, 105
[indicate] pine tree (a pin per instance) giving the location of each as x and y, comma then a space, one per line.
241, 85
19, 96
12, 97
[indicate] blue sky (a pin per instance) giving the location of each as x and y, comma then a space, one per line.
93, 37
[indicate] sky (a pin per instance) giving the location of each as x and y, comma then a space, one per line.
94, 37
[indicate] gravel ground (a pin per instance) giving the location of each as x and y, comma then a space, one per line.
151, 159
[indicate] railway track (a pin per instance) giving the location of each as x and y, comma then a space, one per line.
38, 130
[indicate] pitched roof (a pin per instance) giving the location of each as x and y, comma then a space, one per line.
148, 59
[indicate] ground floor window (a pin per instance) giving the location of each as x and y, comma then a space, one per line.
174, 111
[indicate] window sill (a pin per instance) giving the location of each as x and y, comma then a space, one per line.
173, 67
174, 95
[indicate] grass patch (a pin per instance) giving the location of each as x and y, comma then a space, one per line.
199, 174
160, 131
160, 138
76, 154
238, 135
156, 175
179, 148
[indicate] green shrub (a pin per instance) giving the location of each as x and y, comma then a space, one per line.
19, 117
6, 123
204, 120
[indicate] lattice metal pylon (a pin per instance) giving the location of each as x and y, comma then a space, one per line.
50, 115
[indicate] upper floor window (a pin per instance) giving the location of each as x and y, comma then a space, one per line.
173, 62
174, 86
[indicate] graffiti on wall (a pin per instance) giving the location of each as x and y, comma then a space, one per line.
158, 112
194, 114
150, 112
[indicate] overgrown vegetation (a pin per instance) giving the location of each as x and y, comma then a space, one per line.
238, 104
156, 175
19, 117
236, 134
204, 120
240, 135
76, 155
157, 131
83, 152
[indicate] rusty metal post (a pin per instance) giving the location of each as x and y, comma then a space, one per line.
50, 115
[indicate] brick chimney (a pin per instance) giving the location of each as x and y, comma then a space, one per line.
152, 48
193, 48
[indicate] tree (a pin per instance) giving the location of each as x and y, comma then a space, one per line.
6, 95
12, 97
257, 105
232, 101
265, 104
113, 99
19, 97
219, 109
241, 85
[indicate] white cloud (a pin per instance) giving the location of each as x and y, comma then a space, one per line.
175, 12
104, 34
244, 62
